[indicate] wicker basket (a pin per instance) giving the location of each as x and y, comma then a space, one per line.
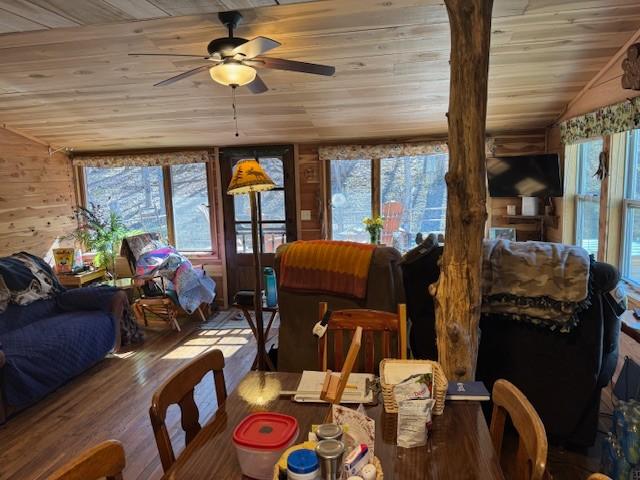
376, 463
439, 385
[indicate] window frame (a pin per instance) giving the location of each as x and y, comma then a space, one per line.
81, 173
376, 186
581, 198
632, 158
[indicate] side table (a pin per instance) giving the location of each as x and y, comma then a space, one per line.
631, 325
80, 279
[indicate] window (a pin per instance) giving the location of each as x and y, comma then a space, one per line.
351, 199
411, 198
588, 196
190, 200
631, 210
137, 194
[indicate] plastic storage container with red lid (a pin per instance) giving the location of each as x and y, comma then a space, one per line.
260, 439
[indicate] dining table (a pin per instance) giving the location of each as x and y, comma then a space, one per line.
458, 447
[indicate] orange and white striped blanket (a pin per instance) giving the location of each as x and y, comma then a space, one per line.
340, 268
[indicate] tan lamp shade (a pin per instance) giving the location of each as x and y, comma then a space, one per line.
249, 176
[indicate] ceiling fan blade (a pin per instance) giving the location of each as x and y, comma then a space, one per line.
257, 86
255, 47
292, 65
186, 74
166, 55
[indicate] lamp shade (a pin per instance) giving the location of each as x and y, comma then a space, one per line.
232, 73
249, 176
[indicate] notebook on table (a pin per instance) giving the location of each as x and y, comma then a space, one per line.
474, 391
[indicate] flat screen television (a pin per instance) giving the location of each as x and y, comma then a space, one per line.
524, 176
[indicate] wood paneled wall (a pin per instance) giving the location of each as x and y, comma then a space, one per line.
311, 177
36, 195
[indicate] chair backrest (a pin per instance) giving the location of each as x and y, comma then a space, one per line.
134, 246
531, 457
372, 322
598, 476
179, 389
392, 216
105, 460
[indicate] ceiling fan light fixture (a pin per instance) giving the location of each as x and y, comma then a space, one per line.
232, 74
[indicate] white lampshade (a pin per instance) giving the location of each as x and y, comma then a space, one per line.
232, 73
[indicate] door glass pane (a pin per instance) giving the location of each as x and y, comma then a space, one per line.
243, 238
274, 168
190, 199
242, 208
587, 224
632, 244
350, 199
413, 197
273, 235
272, 205
136, 194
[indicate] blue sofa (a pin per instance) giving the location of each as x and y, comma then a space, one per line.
48, 342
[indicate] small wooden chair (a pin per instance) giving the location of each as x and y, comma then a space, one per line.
105, 460
531, 457
372, 322
179, 389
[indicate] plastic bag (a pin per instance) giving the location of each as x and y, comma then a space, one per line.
414, 419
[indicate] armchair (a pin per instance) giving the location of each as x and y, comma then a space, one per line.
297, 346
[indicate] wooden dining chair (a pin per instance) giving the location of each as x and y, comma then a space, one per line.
373, 322
179, 389
105, 460
531, 457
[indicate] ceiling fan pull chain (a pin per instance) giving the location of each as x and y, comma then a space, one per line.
235, 111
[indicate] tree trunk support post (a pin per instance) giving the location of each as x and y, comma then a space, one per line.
458, 290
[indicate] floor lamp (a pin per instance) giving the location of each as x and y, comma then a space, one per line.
249, 177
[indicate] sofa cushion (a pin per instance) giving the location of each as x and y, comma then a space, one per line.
17, 316
43, 355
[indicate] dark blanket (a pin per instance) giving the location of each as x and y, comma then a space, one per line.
25, 278
43, 355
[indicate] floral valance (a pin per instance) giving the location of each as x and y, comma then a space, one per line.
142, 159
392, 150
604, 121
357, 152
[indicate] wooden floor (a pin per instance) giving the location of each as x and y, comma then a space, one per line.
111, 400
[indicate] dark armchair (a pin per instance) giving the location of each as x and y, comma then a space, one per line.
297, 346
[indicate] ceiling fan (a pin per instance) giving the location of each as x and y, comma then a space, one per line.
235, 59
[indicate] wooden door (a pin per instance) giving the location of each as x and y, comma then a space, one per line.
276, 212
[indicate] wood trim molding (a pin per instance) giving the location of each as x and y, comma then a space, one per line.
296, 178
25, 135
168, 203
569, 203
616, 183
603, 221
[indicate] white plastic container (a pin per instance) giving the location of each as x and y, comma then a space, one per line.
260, 440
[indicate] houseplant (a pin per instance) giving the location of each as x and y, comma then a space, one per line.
374, 226
101, 231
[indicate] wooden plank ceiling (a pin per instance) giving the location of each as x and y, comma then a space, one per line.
76, 86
